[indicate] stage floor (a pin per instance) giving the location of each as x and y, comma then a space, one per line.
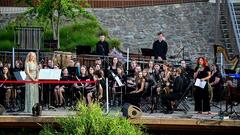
155, 121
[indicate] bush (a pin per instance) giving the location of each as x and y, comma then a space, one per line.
91, 121
6, 45
84, 30
114, 43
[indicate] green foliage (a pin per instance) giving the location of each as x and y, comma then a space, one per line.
6, 39
114, 43
83, 29
85, 32
91, 121
6, 45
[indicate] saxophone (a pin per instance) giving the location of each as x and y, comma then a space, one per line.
167, 89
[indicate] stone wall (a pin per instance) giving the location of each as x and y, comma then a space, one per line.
188, 25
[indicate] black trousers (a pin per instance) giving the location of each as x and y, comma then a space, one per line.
201, 97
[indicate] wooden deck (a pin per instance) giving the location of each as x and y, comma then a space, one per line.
178, 121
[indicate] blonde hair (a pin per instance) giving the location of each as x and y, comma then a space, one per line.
27, 58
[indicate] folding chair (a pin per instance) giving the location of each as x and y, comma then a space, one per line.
181, 103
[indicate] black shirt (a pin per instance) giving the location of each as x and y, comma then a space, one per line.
102, 48
213, 77
204, 73
160, 49
178, 85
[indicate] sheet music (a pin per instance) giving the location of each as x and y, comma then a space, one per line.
21, 75
49, 74
200, 83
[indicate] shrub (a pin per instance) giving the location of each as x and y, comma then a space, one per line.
84, 30
114, 43
91, 121
6, 45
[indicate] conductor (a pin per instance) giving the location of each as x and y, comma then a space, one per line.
160, 47
102, 47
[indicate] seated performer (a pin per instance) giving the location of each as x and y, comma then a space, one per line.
134, 96
116, 88
175, 94
60, 89
91, 88
7, 89
100, 86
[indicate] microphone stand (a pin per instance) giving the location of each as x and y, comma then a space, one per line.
175, 56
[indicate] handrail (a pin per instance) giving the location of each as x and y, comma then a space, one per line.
234, 22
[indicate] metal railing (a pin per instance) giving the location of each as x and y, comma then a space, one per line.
111, 3
234, 21
12, 10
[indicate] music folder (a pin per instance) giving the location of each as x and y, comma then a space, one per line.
200, 83
50, 74
20, 75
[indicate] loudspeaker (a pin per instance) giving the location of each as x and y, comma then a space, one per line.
131, 111
2, 109
37, 109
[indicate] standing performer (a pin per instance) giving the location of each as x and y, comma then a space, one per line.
202, 72
102, 47
160, 48
31, 89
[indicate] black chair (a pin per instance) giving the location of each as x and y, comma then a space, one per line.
181, 103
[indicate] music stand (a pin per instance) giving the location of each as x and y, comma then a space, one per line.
119, 83
20, 76
147, 52
49, 74
83, 49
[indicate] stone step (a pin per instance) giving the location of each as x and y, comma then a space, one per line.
223, 22
225, 36
237, 12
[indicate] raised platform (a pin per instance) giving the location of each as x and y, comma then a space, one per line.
178, 121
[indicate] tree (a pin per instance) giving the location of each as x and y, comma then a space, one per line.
55, 10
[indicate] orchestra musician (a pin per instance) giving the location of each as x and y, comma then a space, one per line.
134, 96
116, 88
167, 78
60, 89
101, 84
175, 94
91, 88
150, 67
83, 77
148, 84
7, 89
216, 82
